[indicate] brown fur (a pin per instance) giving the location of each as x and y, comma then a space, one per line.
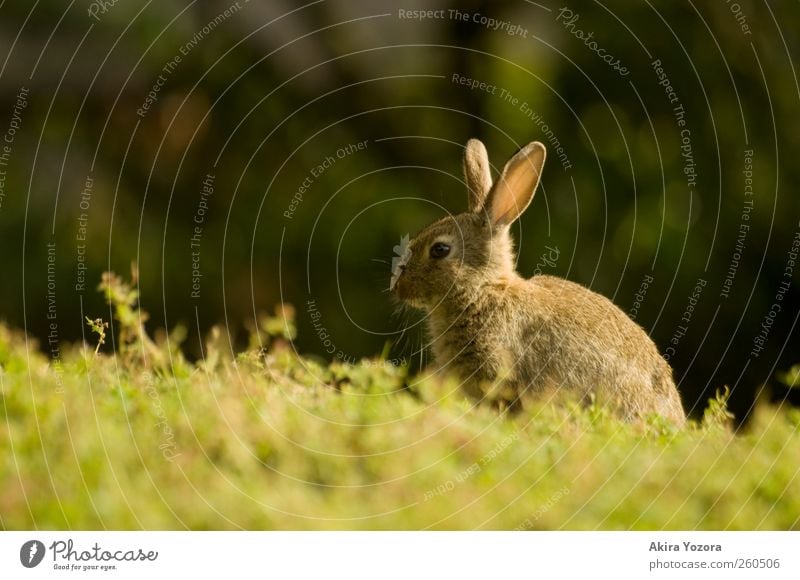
488, 324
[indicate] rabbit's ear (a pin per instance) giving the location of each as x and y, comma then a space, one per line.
515, 188
477, 173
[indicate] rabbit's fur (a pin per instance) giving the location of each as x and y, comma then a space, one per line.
489, 325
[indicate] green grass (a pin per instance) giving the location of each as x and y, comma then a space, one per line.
276, 441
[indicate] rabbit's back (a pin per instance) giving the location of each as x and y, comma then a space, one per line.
549, 333
597, 348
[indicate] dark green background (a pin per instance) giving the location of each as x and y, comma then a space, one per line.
272, 94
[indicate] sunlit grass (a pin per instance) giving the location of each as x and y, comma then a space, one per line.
272, 440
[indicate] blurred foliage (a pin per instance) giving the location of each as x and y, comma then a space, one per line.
272, 440
791, 378
264, 98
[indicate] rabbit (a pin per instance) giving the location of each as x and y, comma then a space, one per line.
491, 326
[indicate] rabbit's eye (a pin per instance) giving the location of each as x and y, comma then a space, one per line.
439, 250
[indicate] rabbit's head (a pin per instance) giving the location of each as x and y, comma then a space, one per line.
458, 254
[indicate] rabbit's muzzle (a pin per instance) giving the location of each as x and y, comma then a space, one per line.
399, 284
399, 265
402, 286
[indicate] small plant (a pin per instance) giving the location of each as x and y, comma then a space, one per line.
132, 339
717, 415
99, 328
124, 299
281, 325
274, 331
791, 378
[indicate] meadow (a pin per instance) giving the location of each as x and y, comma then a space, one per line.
128, 434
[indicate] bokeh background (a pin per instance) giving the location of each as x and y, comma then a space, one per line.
331, 129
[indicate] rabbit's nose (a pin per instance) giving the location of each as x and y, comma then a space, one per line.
396, 272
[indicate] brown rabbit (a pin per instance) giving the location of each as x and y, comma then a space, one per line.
489, 325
